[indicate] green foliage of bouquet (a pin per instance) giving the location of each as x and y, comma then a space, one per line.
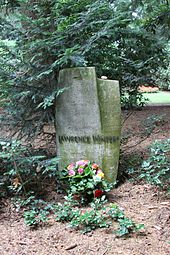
85, 180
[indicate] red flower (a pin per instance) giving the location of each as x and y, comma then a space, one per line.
76, 197
98, 193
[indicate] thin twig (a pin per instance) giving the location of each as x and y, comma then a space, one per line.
105, 252
128, 116
132, 146
71, 247
16, 169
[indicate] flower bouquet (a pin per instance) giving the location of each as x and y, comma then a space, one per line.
85, 180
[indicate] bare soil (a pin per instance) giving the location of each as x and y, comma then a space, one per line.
133, 125
141, 202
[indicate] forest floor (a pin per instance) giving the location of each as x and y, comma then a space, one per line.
141, 202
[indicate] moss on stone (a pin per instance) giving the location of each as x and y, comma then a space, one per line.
91, 107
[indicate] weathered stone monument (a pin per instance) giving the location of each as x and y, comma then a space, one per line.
88, 116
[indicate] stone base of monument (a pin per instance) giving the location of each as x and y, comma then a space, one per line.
88, 120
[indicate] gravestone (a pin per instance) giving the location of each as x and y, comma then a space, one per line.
88, 117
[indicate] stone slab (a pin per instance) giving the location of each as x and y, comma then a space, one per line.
88, 120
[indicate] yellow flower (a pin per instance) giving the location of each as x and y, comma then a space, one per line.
100, 174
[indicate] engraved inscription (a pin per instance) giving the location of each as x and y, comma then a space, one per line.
88, 139
105, 139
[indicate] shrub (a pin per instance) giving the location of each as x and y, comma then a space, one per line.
22, 169
156, 169
98, 215
164, 78
38, 212
134, 99
163, 74
52, 35
7, 69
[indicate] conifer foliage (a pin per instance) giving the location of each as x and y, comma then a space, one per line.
117, 37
